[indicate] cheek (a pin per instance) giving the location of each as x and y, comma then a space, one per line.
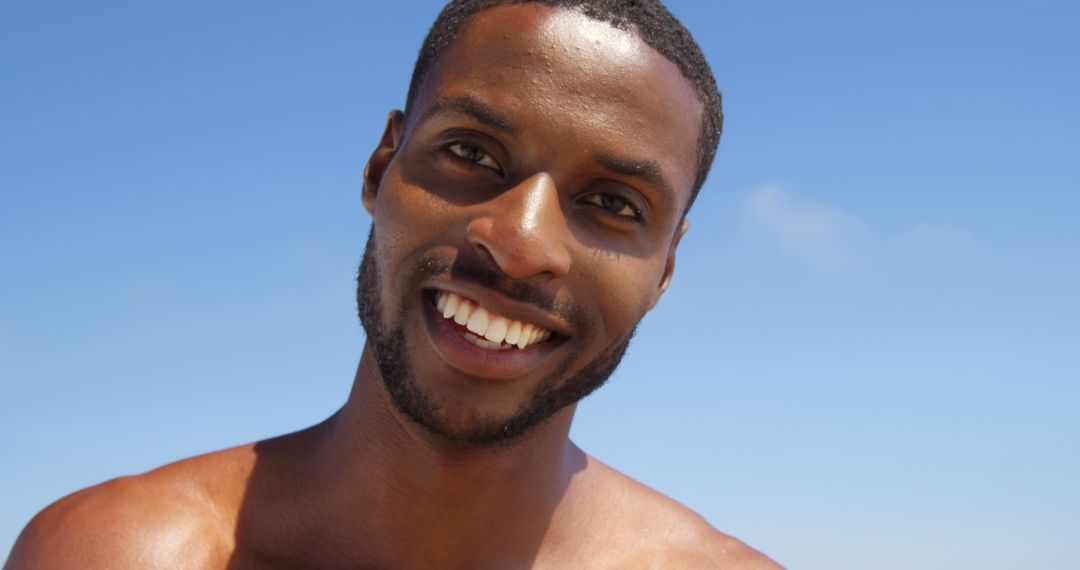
397, 209
624, 288
407, 215
405, 218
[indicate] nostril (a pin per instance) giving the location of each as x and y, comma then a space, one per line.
480, 234
486, 254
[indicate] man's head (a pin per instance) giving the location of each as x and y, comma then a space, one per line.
649, 20
527, 211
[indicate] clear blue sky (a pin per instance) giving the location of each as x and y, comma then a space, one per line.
868, 357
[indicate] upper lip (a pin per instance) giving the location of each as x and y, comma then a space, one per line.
504, 306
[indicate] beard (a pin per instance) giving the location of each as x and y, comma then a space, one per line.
408, 395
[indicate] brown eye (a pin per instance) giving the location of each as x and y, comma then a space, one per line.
474, 154
615, 204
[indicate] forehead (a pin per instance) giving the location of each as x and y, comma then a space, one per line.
580, 84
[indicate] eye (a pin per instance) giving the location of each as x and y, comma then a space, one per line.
474, 154
615, 204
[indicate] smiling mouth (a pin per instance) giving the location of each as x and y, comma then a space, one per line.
485, 328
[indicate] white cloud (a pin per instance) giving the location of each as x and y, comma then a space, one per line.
830, 242
821, 237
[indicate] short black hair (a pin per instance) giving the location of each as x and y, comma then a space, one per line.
647, 19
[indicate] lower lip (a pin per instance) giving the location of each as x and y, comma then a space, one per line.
480, 362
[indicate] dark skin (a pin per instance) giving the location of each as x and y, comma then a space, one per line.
560, 151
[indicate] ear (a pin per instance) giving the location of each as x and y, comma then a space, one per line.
381, 157
669, 266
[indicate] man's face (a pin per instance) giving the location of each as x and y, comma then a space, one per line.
525, 219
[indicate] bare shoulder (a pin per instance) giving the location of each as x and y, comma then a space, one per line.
153, 520
703, 547
655, 531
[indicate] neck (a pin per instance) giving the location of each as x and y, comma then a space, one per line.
402, 494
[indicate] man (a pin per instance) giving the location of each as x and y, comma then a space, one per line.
527, 207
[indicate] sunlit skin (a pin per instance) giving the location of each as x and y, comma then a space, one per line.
555, 151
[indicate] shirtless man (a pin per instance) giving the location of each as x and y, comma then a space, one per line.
526, 210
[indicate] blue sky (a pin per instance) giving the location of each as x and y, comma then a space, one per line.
867, 358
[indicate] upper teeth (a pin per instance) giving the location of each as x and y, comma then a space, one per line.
484, 323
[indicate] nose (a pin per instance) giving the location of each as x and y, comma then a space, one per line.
524, 230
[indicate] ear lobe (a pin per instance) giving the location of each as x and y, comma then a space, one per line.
669, 265
381, 157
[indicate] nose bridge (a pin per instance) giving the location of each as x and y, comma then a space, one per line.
525, 230
530, 202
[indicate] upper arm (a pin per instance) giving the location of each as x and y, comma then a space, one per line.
697, 551
725, 552
117, 525
66, 534
673, 536
699, 545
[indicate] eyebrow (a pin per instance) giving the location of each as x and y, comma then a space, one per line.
645, 170
472, 107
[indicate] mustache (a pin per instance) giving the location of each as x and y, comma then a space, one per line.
460, 267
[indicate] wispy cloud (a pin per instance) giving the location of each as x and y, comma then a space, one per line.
818, 236
830, 242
